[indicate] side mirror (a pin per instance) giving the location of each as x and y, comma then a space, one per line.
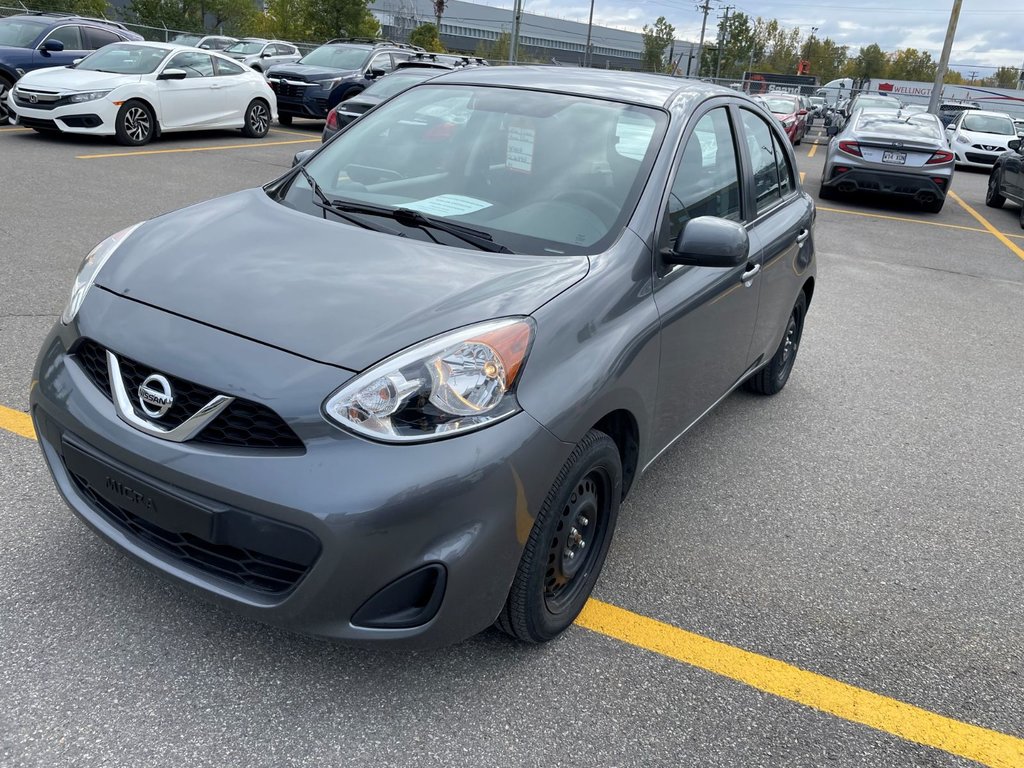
376, 72
1014, 144
264, 55
172, 74
832, 130
52, 46
708, 241
301, 157
802, 112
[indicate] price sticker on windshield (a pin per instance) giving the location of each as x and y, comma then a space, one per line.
519, 154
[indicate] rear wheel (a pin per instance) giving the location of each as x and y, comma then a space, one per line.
568, 543
284, 119
134, 124
257, 120
1022, 217
934, 206
773, 377
992, 197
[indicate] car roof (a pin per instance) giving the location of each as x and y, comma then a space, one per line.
636, 87
58, 17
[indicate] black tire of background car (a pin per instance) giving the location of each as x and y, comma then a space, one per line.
1022, 217
992, 197
257, 119
284, 119
134, 124
590, 481
934, 206
826, 193
773, 377
5, 87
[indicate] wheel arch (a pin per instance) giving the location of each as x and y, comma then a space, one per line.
808, 289
621, 426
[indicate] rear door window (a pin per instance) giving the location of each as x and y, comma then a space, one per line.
97, 38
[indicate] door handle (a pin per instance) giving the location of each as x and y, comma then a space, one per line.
215, 86
751, 272
802, 237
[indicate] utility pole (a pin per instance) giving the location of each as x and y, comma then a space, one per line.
588, 58
974, 74
706, 7
940, 71
723, 38
513, 46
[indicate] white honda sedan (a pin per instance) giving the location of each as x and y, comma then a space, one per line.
136, 91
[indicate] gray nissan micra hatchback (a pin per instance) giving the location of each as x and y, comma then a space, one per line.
398, 394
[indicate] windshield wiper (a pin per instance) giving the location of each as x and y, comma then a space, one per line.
323, 202
410, 218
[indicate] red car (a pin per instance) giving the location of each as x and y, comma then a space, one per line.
790, 111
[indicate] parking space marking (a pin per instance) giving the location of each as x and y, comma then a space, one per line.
991, 748
1001, 236
803, 175
814, 148
913, 221
13, 128
18, 422
253, 145
307, 134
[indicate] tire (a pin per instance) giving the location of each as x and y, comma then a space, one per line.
1022, 217
135, 124
935, 206
773, 377
284, 119
992, 197
257, 119
827, 193
5, 87
557, 572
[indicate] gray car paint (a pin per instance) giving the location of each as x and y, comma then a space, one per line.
258, 301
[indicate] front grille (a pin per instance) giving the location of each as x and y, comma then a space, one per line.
246, 567
288, 90
242, 424
974, 157
21, 101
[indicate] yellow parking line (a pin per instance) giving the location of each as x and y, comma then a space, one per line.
253, 145
13, 128
18, 422
307, 134
814, 148
912, 221
848, 702
1002, 237
803, 175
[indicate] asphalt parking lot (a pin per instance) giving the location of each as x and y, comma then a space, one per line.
828, 577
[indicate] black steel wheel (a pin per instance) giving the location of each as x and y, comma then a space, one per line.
992, 197
257, 119
568, 543
134, 124
773, 377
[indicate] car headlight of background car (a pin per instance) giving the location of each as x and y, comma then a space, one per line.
789, 122
329, 85
962, 139
91, 266
453, 383
78, 98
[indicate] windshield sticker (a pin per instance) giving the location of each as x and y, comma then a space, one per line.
519, 156
448, 205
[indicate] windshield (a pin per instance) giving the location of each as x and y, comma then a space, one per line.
537, 172
125, 59
19, 32
247, 48
876, 102
780, 105
336, 57
186, 39
1001, 126
817, 101
398, 82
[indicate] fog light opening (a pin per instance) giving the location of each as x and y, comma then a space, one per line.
409, 601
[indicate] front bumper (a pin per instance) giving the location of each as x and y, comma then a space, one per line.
95, 118
302, 99
972, 157
359, 515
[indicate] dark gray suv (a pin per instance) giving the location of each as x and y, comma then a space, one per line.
398, 394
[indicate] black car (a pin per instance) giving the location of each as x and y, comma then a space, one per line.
1006, 182
333, 72
31, 41
383, 89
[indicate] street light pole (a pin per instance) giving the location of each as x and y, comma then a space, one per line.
588, 58
940, 71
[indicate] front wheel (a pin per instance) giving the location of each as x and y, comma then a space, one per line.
1022, 217
773, 377
992, 197
257, 120
134, 124
568, 543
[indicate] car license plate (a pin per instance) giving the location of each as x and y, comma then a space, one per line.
896, 158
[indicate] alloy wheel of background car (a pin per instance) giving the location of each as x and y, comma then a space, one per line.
257, 120
134, 124
568, 543
773, 377
992, 197
4, 112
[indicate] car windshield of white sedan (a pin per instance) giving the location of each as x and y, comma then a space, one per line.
19, 33
1001, 126
336, 57
125, 59
536, 172
247, 49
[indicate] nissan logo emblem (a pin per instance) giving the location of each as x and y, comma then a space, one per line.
155, 396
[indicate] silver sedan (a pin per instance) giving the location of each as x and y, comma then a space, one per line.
890, 153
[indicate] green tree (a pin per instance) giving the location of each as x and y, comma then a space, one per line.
911, 64
497, 51
426, 36
84, 7
1004, 77
778, 46
827, 58
657, 39
736, 41
327, 19
870, 62
283, 20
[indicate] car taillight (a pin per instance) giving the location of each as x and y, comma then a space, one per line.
850, 148
332, 120
942, 156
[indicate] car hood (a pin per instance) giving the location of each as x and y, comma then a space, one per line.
65, 79
308, 73
320, 288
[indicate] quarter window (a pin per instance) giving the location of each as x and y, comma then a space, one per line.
97, 38
707, 177
70, 36
225, 67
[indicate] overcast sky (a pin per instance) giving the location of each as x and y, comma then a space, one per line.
990, 32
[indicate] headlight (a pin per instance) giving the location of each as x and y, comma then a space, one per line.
91, 266
78, 98
453, 383
330, 85
962, 139
789, 122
